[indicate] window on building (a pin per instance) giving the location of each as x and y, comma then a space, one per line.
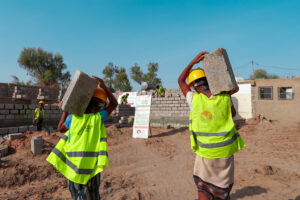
285, 93
265, 93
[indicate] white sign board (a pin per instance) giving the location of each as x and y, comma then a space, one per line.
142, 116
130, 99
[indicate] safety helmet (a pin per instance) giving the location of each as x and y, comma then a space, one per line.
41, 102
100, 94
196, 74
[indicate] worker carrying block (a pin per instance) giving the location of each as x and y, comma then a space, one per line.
82, 152
214, 138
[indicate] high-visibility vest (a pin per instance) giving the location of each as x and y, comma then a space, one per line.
124, 98
160, 90
212, 130
37, 113
82, 152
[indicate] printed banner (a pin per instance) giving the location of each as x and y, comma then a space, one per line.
130, 100
142, 116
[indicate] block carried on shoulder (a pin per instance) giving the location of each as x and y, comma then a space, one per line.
218, 72
79, 93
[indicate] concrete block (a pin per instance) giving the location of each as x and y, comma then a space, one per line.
32, 128
1, 139
54, 107
23, 129
218, 72
9, 106
37, 145
1, 105
22, 111
14, 136
14, 111
4, 112
9, 116
32, 106
79, 93
3, 131
47, 107
3, 150
25, 106
19, 106
13, 129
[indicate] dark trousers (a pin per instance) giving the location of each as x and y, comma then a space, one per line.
39, 123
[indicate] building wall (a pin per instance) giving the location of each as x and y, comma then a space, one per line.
242, 101
277, 109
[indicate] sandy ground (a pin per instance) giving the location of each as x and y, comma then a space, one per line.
161, 167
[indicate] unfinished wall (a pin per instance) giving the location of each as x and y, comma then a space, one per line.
242, 101
278, 109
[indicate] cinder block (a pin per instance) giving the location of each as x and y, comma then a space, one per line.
25, 107
32, 106
13, 129
4, 112
18, 106
47, 107
218, 72
3, 150
9, 116
32, 128
3, 131
23, 129
1, 105
9, 106
14, 111
14, 136
22, 111
37, 145
79, 93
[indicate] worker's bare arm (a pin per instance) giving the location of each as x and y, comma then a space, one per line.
61, 125
184, 74
113, 103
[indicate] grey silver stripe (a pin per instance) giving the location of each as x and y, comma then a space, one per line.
70, 164
103, 139
64, 137
210, 134
219, 144
86, 153
190, 121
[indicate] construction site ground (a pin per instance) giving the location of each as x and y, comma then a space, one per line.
161, 167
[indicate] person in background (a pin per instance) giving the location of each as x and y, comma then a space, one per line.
82, 152
124, 98
213, 135
38, 115
159, 91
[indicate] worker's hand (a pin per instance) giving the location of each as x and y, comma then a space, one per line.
235, 90
199, 57
101, 82
60, 104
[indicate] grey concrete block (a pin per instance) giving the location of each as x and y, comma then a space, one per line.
4, 112
13, 129
3, 131
14, 136
22, 111
37, 145
47, 107
9, 116
79, 93
218, 72
1, 139
1, 105
23, 129
32, 106
9, 106
14, 111
18, 106
32, 128
2, 116
3, 150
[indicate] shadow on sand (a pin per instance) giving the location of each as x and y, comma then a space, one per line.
171, 132
248, 191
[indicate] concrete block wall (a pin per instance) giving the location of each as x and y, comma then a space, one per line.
14, 115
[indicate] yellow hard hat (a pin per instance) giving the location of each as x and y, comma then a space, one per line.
41, 102
100, 94
195, 74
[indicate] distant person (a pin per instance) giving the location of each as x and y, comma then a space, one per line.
38, 115
81, 153
124, 98
213, 135
159, 91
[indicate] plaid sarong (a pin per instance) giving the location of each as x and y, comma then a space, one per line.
89, 191
215, 192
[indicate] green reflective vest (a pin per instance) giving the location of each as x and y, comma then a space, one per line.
37, 113
212, 130
160, 90
82, 152
124, 98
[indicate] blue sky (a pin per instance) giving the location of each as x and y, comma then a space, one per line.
91, 33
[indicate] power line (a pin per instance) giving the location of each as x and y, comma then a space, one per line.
276, 67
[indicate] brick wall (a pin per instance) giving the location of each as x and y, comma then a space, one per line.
22, 114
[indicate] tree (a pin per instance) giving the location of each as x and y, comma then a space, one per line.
17, 81
44, 67
116, 79
262, 74
151, 77
121, 82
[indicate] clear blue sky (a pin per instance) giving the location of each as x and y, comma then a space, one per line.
91, 33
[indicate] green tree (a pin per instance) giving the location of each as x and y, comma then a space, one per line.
151, 76
109, 75
44, 67
121, 82
262, 74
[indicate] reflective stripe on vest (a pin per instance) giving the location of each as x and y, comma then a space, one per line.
212, 130
86, 154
